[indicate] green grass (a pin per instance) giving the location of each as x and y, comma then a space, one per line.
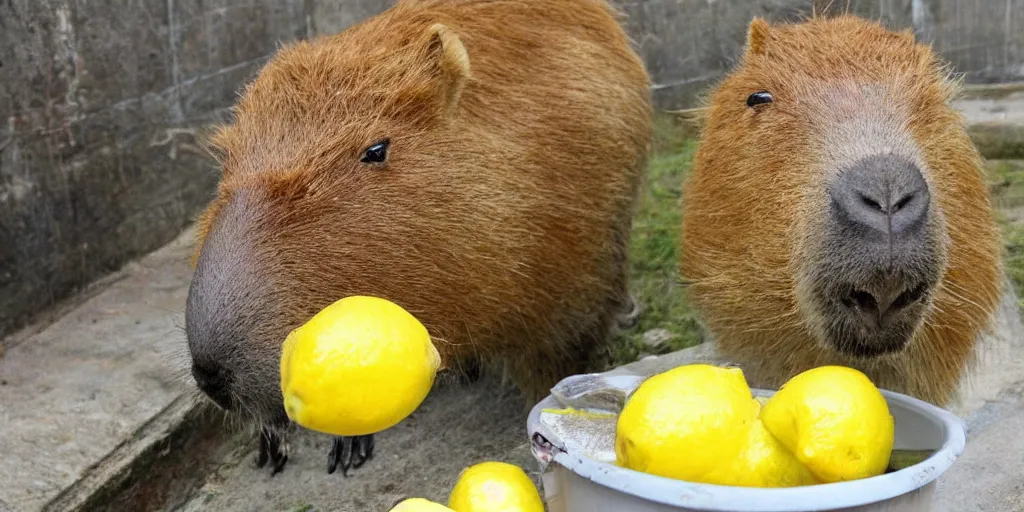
1006, 180
654, 250
655, 241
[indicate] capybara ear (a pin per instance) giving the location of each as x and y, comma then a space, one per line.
757, 36
908, 34
452, 61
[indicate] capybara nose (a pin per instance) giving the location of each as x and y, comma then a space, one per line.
878, 307
214, 381
882, 195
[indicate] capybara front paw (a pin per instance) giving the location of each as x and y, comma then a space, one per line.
349, 452
272, 449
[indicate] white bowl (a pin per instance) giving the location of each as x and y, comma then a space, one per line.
575, 483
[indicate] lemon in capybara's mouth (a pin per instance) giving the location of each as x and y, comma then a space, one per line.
359, 366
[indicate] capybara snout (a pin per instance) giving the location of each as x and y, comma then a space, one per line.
231, 301
837, 211
881, 256
880, 198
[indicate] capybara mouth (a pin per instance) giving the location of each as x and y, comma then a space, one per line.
877, 314
222, 400
278, 418
872, 321
214, 382
880, 256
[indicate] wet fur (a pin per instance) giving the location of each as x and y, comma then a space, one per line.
519, 130
754, 200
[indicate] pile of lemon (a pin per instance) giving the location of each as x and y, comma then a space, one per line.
701, 423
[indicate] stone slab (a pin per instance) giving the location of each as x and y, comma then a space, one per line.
80, 388
1003, 103
420, 457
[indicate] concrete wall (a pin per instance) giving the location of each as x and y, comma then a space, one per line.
101, 102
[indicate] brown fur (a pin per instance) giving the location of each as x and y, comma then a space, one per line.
754, 200
519, 130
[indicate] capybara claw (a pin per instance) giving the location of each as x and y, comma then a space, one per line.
279, 464
349, 453
272, 450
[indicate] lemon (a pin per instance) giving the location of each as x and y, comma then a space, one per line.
764, 462
495, 487
835, 421
359, 366
687, 423
419, 505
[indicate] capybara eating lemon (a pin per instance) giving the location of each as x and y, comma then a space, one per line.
476, 163
837, 211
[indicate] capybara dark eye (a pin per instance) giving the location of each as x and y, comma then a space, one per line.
376, 153
759, 98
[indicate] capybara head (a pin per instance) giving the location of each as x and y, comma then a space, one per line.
475, 162
335, 166
837, 212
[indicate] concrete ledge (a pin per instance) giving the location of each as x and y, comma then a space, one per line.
999, 140
992, 91
92, 388
995, 114
162, 464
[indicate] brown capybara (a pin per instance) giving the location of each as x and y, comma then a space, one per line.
476, 162
837, 211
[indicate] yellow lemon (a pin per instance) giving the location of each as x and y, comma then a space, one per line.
764, 462
686, 423
419, 505
835, 421
495, 487
359, 366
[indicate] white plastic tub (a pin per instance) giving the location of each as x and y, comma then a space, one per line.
574, 483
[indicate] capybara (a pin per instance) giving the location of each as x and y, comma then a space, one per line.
837, 211
476, 162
